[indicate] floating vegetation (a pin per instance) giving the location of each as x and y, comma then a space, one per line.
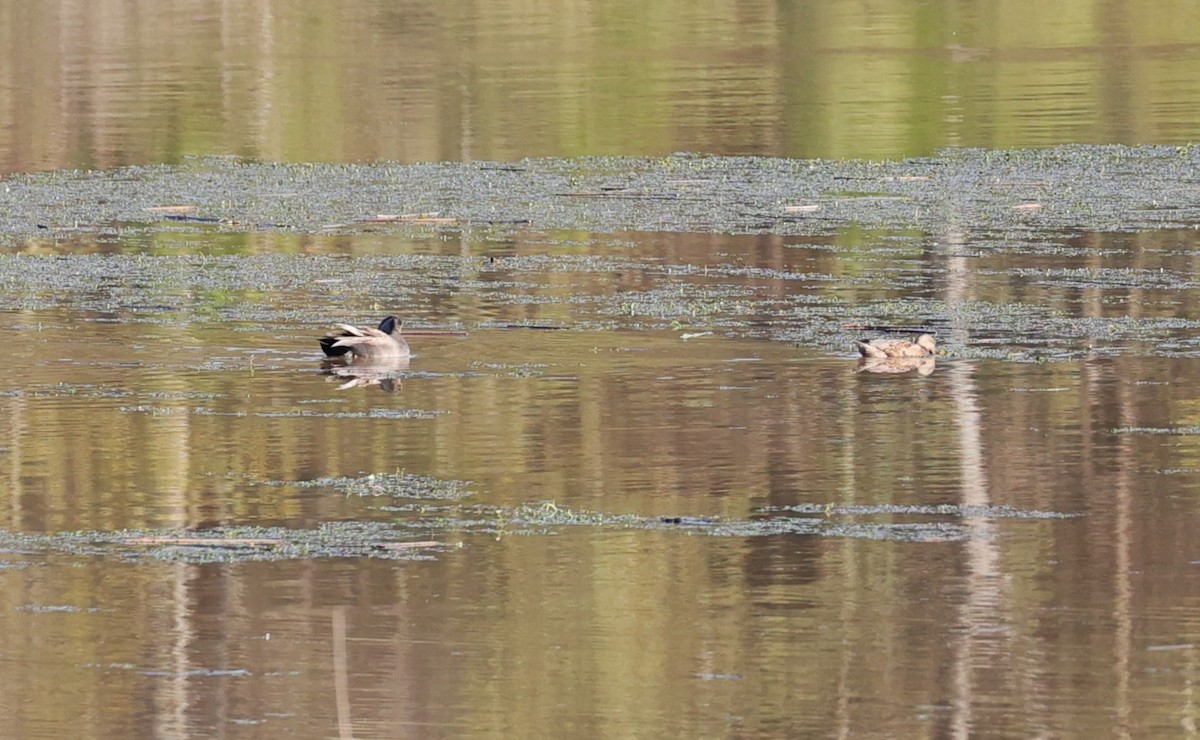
831, 521
819, 527
375, 413
64, 390
513, 370
422, 530
232, 544
153, 410
546, 517
549, 514
1185, 431
262, 292
394, 485
1014, 194
964, 511
55, 609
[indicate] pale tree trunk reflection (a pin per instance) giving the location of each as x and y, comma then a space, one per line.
984, 602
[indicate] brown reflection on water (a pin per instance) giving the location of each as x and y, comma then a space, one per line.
98, 84
386, 374
1028, 626
1000, 631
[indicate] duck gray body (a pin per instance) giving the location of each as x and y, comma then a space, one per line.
924, 346
364, 342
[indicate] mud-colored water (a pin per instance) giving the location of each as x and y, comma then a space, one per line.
114, 82
650, 492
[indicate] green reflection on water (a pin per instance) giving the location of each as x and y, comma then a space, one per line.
419, 81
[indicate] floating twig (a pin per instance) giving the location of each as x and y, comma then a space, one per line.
256, 542
407, 545
221, 221
891, 327
408, 218
196, 219
619, 194
204, 541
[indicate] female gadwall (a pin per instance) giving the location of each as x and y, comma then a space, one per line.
923, 347
363, 342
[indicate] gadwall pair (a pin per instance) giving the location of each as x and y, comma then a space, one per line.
365, 343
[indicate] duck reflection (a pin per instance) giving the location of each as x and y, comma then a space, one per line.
897, 365
360, 373
367, 343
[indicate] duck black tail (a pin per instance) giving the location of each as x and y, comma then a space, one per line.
329, 349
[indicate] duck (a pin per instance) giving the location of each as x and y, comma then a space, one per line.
924, 346
366, 343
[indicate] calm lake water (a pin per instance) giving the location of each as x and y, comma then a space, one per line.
97, 84
650, 493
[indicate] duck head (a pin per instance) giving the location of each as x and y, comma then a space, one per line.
392, 325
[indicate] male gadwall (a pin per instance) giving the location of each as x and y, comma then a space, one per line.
923, 347
363, 342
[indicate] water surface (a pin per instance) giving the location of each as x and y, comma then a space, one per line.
637, 532
651, 492
108, 83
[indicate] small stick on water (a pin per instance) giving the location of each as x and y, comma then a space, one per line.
407, 545
202, 541
257, 542
407, 218
434, 333
891, 327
